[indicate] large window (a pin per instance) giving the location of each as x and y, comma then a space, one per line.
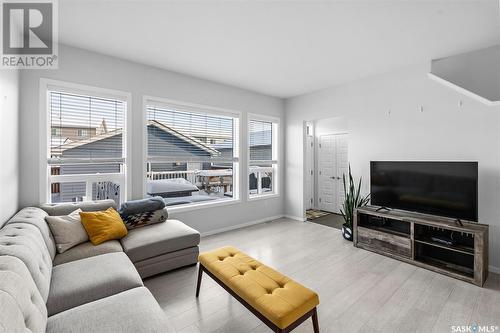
263, 157
192, 154
86, 147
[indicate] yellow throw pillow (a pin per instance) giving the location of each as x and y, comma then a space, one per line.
103, 226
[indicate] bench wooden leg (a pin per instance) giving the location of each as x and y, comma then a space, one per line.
315, 321
198, 285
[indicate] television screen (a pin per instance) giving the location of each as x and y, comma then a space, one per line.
439, 188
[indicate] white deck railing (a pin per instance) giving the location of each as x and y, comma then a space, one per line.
90, 180
189, 175
194, 176
261, 172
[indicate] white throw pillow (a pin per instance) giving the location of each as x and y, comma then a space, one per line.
68, 230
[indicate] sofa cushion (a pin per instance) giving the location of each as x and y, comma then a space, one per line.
103, 226
67, 230
158, 239
167, 262
22, 306
87, 250
36, 216
24, 241
131, 311
68, 207
83, 281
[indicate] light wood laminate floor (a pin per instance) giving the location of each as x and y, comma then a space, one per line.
359, 291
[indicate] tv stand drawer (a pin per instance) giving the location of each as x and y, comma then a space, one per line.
385, 242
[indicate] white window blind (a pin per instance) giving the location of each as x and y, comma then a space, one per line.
261, 140
192, 154
85, 129
86, 154
177, 134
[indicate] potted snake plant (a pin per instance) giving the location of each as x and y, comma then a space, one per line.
353, 200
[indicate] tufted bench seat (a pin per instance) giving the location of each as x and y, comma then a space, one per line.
281, 303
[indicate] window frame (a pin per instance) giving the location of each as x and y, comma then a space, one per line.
161, 102
46, 179
81, 133
276, 123
55, 132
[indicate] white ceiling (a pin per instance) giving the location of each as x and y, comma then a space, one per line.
280, 48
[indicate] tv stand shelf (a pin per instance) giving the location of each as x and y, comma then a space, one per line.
461, 249
436, 243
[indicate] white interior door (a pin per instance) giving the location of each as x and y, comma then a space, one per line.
326, 173
332, 164
309, 172
342, 164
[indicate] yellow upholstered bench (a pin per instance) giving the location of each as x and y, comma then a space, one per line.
281, 303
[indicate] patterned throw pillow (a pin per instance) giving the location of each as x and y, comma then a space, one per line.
142, 219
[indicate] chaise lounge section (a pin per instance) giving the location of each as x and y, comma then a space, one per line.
87, 288
153, 249
161, 247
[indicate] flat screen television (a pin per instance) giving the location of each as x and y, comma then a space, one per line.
440, 188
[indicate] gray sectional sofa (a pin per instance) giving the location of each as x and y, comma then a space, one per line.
87, 288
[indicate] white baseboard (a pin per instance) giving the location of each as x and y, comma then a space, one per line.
296, 218
494, 269
241, 225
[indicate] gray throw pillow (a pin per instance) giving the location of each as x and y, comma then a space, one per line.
68, 230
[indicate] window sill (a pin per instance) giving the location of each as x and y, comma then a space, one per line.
263, 196
190, 207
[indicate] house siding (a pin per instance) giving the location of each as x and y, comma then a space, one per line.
163, 144
261, 153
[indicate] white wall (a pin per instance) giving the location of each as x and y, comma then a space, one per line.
9, 139
332, 125
443, 131
88, 68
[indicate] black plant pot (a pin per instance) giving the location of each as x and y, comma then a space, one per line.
347, 232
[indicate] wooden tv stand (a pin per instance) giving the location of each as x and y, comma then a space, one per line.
418, 239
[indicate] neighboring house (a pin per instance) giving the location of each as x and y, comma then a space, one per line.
260, 146
73, 133
163, 141
61, 135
